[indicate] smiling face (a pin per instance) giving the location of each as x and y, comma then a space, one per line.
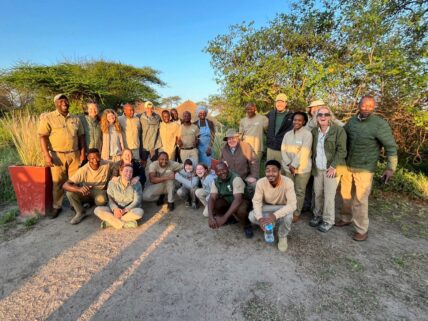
222, 171
323, 117
92, 110
250, 109
174, 114
126, 173
94, 160
111, 118
202, 115
366, 106
200, 171
280, 105
62, 105
165, 116
298, 121
127, 156
163, 160
186, 117
128, 111
232, 141
272, 173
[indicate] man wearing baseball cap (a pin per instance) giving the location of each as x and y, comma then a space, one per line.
62, 140
280, 122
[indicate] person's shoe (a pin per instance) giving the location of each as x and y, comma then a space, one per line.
105, 224
360, 237
130, 224
194, 205
315, 221
282, 244
171, 206
296, 218
161, 200
77, 218
232, 220
325, 227
248, 232
342, 223
55, 212
187, 203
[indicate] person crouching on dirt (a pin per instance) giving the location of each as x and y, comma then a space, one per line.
227, 200
274, 202
88, 184
206, 177
189, 181
124, 202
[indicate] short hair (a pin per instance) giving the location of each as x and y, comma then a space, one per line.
221, 163
203, 165
93, 151
165, 112
273, 162
367, 97
128, 105
188, 161
250, 104
304, 115
123, 165
163, 153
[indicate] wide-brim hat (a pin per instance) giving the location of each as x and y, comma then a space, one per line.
316, 103
60, 96
230, 133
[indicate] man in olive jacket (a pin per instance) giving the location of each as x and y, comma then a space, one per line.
366, 135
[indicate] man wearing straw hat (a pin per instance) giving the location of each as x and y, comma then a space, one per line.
62, 141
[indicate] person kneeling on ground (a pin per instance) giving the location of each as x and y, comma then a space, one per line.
206, 178
189, 181
88, 184
124, 201
274, 202
227, 200
162, 179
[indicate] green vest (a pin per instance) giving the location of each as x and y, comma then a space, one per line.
225, 188
92, 132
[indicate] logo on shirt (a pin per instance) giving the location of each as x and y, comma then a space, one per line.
229, 188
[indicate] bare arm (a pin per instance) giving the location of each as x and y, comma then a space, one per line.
46, 155
159, 179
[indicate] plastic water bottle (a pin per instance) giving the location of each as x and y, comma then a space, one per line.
269, 238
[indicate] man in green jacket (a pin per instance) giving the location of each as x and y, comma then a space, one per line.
367, 134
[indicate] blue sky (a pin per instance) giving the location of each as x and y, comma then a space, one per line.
166, 35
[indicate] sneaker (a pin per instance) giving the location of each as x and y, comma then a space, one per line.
325, 227
282, 244
248, 232
130, 224
161, 200
315, 221
55, 212
171, 206
77, 218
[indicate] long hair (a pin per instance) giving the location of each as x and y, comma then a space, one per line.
104, 122
332, 117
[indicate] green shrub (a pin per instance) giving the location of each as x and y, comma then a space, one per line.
8, 156
9, 216
31, 221
414, 184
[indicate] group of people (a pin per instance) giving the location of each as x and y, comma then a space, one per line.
118, 162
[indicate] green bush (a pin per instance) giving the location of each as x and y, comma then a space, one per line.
9, 216
414, 184
8, 156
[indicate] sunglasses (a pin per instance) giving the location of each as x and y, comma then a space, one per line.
323, 115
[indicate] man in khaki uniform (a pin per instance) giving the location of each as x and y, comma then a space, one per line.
252, 128
88, 184
63, 145
162, 180
168, 132
188, 138
131, 130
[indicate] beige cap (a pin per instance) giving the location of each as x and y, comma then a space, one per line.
59, 96
282, 97
148, 104
230, 133
316, 103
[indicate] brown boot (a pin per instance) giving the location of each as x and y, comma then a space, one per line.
296, 218
342, 223
360, 237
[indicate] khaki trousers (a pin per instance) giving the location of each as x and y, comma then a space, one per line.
136, 153
201, 194
355, 190
189, 153
221, 206
325, 192
106, 214
274, 154
184, 193
65, 165
152, 192
300, 181
284, 223
98, 196
171, 153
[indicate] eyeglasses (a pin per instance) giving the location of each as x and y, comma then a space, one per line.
323, 115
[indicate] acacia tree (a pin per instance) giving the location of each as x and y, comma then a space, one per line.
170, 102
336, 51
110, 83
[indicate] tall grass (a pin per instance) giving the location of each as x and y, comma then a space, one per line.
8, 156
23, 130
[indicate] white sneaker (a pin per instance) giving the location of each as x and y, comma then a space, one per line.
77, 218
282, 244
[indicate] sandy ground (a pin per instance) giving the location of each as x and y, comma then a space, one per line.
173, 267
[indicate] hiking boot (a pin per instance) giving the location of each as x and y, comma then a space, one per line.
248, 232
282, 244
360, 237
55, 212
77, 218
161, 200
171, 206
130, 224
296, 218
342, 223
315, 221
325, 227
232, 220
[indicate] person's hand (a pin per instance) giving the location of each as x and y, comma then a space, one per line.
263, 221
135, 180
208, 152
221, 220
292, 170
331, 172
212, 223
85, 190
117, 212
48, 161
250, 180
387, 174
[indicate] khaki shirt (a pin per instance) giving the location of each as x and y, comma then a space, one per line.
164, 171
252, 130
168, 134
238, 186
86, 176
189, 135
131, 129
63, 132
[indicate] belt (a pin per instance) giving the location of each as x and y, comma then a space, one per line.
189, 148
71, 151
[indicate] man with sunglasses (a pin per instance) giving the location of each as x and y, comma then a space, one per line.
366, 135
